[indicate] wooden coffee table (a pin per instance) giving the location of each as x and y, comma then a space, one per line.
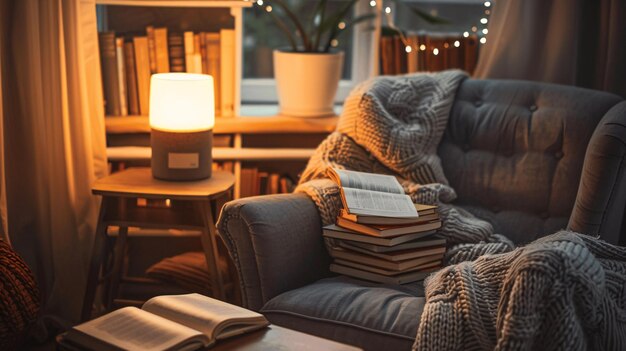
279, 338
272, 338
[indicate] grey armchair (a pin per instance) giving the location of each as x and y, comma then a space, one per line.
530, 158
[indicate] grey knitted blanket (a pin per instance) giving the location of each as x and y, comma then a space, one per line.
563, 292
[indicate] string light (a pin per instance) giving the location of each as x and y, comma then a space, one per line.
485, 31
342, 25
457, 43
387, 9
487, 4
484, 20
268, 8
487, 12
474, 29
483, 40
423, 47
373, 3
446, 45
435, 51
408, 48
465, 34
259, 2
334, 43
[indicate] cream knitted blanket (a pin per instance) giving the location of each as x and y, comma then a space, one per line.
393, 125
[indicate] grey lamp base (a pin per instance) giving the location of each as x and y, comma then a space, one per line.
181, 156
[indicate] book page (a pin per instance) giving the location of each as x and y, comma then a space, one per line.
130, 328
210, 316
368, 181
373, 203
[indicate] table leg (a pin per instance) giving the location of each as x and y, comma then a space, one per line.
210, 249
96, 262
119, 254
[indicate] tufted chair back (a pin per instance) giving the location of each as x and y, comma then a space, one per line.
514, 151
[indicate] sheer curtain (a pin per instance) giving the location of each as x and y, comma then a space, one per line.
54, 142
575, 42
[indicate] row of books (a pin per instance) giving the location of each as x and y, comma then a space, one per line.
429, 53
128, 61
380, 235
255, 182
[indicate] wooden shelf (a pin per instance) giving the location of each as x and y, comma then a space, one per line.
142, 153
178, 3
239, 125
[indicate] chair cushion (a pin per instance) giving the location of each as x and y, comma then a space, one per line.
516, 149
368, 315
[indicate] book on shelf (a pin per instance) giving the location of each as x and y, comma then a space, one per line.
175, 322
372, 194
129, 59
227, 69
255, 182
398, 279
142, 69
110, 84
121, 76
131, 79
430, 52
161, 50
336, 232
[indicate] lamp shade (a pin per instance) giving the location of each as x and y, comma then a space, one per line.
182, 102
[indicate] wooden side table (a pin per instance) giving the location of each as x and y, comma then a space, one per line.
185, 206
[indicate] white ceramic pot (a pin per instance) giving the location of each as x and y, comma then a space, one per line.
307, 82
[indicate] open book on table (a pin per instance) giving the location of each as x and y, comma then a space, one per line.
175, 322
373, 194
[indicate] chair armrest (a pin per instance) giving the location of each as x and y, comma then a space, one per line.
601, 199
275, 243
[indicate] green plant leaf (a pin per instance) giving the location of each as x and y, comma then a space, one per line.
283, 27
306, 42
423, 14
321, 11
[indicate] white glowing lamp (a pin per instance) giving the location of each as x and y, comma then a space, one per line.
182, 116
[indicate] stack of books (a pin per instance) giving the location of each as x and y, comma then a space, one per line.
380, 235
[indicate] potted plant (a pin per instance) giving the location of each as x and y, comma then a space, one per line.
308, 72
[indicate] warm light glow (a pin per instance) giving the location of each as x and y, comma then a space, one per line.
457, 43
435, 51
342, 25
259, 2
484, 20
485, 31
446, 45
408, 48
487, 3
483, 40
334, 43
474, 29
372, 3
423, 47
465, 34
387, 9
182, 102
268, 8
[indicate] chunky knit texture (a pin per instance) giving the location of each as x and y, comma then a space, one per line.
393, 125
565, 291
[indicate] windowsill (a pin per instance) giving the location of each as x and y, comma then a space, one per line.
264, 110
